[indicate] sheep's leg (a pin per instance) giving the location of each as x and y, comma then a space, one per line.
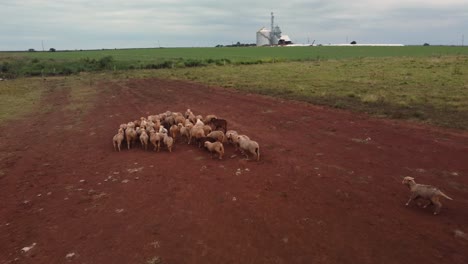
412, 197
118, 145
437, 203
429, 203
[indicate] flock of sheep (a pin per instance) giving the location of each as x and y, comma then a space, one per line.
168, 127
211, 132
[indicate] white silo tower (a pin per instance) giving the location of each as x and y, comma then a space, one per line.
269, 36
263, 37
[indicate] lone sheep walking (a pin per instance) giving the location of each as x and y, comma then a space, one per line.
428, 192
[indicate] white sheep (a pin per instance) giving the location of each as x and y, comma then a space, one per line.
168, 141
155, 139
197, 132
131, 124
428, 192
144, 139
130, 135
188, 113
123, 126
184, 131
208, 118
199, 122
247, 145
234, 139
231, 135
215, 147
162, 130
117, 139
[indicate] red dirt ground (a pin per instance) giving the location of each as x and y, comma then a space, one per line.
326, 190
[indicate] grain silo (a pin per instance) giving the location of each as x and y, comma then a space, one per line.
269, 37
263, 37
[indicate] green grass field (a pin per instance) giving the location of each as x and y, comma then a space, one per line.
19, 64
239, 54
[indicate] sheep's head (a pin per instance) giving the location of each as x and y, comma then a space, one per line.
207, 143
407, 180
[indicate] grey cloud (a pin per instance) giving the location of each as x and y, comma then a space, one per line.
141, 23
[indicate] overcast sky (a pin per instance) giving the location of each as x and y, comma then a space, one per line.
86, 24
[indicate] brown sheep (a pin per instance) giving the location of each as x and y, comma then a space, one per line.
218, 135
174, 130
219, 123
207, 129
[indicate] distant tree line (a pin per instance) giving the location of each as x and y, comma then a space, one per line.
238, 44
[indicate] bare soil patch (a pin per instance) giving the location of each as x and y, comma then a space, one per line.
326, 190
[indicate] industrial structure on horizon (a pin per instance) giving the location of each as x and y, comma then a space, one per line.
273, 36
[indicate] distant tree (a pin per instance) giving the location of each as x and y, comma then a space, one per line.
353, 42
52, 50
31, 50
426, 44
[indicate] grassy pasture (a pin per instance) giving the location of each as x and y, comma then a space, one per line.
17, 64
239, 54
428, 89
427, 86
